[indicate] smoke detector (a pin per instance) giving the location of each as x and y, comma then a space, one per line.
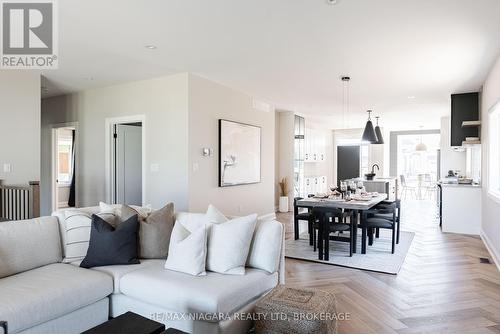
332, 2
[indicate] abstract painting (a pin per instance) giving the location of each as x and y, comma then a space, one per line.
239, 153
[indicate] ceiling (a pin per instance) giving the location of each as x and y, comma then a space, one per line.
290, 53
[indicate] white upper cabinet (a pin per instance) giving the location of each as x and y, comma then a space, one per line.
315, 145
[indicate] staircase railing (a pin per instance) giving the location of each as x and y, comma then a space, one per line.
19, 202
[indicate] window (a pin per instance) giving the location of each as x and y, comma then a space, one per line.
494, 151
64, 148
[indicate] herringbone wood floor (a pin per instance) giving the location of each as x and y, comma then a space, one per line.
442, 287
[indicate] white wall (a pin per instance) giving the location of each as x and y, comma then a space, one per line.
163, 101
490, 207
20, 144
451, 159
209, 102
286, 152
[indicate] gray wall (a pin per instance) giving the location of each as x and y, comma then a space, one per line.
20, 126
182, 113
163, 102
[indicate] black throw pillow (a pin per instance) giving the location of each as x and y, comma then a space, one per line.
109, 245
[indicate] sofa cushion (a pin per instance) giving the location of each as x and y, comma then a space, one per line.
39, 295
265, 250
213, 293
28, 244
118, 271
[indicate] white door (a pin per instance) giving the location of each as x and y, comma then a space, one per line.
128, 164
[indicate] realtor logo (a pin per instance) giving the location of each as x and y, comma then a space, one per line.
29, 39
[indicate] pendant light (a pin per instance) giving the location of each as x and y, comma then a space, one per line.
378, 132
369, 134
421, 147
345, 99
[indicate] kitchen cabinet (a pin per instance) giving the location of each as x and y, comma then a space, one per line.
315, 185
315, 146
464, 108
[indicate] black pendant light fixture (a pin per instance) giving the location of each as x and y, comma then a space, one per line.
378, 132
369, 134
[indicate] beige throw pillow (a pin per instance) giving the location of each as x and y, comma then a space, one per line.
154, 230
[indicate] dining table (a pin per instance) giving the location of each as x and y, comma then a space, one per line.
357, 206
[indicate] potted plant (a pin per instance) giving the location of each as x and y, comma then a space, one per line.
283, 204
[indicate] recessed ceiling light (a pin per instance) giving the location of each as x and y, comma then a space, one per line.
332, 2
150, 47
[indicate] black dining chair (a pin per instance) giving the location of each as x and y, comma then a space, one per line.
328, 221
380, 207
305, 215
370, 223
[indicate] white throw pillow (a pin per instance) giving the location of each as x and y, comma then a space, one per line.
229, 244
77, 230
214, 216
187, 251
265, 250
142, 211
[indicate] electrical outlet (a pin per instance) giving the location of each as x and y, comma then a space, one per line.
155, 168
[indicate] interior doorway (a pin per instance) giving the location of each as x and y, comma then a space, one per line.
415, 159
64, 166
126, 160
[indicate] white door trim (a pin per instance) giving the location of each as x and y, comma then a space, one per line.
109, 152
53, 157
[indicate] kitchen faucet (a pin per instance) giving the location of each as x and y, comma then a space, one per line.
373, 168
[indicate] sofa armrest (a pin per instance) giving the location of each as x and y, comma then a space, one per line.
281, 268
3, 324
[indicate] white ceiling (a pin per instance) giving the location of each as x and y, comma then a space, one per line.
290, 53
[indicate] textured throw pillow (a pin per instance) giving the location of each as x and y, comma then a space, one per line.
142, 211
229, 244
78, 224
154, 230
187, 251
112, 246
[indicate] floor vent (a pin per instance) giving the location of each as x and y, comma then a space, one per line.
484, 260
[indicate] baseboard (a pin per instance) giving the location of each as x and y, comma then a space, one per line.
268, 216
495, 254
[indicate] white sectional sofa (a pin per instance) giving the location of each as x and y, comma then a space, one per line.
39, 294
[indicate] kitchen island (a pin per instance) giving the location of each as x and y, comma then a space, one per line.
387, 185
461, 208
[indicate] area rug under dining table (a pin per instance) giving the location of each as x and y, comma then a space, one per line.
378, 257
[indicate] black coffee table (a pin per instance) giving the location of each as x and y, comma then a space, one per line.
128, 323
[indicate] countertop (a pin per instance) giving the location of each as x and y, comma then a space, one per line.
457, 185
376, 179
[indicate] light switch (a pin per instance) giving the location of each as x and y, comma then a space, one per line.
154, 168
7, 168
195, 167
